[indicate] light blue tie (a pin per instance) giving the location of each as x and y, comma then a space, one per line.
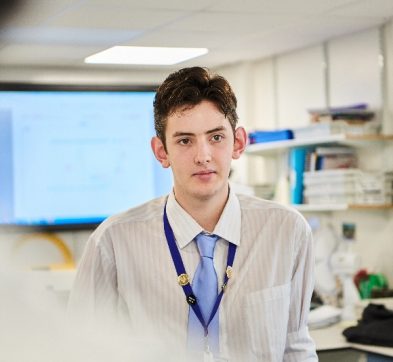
204, 286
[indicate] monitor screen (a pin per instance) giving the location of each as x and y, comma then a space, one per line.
71, 157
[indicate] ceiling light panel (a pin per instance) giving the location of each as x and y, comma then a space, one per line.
145, 55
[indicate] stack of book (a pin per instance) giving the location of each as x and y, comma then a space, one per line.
356, 113
357, 120
328, 158
348, 186
311, 159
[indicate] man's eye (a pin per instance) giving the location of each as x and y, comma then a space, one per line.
217, 138
184, 141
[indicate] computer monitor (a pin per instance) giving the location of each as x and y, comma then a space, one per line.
72, 156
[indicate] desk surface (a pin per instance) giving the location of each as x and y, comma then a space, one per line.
332, 338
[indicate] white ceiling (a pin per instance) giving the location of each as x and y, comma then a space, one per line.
64, 32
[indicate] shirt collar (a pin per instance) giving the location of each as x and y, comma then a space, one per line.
185, 228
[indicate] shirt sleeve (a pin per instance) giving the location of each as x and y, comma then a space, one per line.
299, 345
94, 295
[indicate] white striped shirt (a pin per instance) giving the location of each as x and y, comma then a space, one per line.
127, 268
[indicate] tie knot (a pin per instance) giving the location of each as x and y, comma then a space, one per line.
206, 244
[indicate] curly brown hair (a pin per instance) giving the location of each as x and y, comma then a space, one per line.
188, 87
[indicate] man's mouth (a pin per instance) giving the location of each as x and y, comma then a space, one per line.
204, 173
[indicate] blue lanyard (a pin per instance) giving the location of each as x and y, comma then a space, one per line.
183, 277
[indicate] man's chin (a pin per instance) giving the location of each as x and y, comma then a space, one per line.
203, 193
206, 193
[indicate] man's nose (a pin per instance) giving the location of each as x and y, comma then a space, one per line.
202, 154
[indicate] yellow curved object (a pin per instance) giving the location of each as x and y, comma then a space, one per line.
59, 243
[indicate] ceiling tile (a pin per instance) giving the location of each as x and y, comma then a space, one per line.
172, 38
334, 26
111, 17
44, 54
157, 5
235, 24
66, 36
299, 7
381, 8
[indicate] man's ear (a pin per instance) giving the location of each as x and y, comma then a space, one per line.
240, 142
159, 152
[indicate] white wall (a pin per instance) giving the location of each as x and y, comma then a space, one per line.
300, 83
354, 69
285, 86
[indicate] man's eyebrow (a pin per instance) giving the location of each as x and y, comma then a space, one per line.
182, 134
217, 129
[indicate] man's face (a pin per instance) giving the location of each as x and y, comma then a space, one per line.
200, 146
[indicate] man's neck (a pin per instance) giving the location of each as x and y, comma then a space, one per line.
206, 212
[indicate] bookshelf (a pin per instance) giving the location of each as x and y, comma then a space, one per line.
280, 148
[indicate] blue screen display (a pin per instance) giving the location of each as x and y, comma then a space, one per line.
76, 157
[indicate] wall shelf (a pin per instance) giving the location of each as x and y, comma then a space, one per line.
277, 147
340, 207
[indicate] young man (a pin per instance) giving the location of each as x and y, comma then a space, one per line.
246, 298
